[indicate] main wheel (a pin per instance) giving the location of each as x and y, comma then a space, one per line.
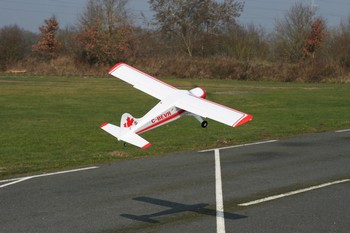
125, 144
204, 124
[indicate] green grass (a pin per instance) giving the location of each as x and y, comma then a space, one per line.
50, 123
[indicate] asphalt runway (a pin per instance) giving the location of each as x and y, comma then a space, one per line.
178, 192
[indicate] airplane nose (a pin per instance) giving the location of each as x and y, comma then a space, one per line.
199, 92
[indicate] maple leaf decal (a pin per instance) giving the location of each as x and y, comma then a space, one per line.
129, 122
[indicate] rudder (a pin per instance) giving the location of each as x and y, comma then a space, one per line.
127, 122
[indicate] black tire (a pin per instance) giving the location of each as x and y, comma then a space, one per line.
204, 124
125, 144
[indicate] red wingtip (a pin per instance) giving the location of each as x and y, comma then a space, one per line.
115, 67
103, 125
244, 120
146, 146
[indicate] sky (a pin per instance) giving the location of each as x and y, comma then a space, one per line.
30, 14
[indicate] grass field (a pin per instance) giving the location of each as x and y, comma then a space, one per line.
50, 123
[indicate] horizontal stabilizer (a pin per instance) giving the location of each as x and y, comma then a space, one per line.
128, 137
136, 140
111, 129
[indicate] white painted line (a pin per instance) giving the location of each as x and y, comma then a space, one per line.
342, 131
293, 193
14, 182
17, 180
9, 180
64, 172
220, 218
242, 145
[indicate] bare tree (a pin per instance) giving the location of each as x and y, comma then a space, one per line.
246, 42
340, 46
291, 32
186, 22
12, 45
66, 38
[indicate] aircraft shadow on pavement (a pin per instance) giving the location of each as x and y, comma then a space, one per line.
175, 208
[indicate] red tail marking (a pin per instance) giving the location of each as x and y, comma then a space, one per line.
129, 122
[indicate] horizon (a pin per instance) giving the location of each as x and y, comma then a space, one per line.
31, 15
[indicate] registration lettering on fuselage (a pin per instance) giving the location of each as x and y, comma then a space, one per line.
161, 117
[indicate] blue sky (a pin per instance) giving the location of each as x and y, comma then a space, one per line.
30, 14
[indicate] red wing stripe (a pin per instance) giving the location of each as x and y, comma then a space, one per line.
232, 109
243, 120
116, 66
146, 146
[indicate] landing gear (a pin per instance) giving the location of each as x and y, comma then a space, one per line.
204, 124
125, 144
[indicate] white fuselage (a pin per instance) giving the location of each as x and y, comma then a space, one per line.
165, 111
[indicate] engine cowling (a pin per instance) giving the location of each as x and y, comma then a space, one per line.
199, 92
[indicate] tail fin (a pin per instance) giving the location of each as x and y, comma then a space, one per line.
123, 133
127, 122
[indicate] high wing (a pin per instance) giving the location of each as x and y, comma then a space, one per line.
212, 110
142, 81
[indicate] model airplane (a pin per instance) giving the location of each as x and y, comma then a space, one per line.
173, 104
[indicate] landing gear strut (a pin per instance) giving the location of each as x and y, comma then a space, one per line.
204, 124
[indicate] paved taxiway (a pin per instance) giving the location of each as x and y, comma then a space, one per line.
176, 193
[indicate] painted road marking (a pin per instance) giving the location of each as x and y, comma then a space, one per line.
293, 193
17, 180
220, 218
342, 131
236, 146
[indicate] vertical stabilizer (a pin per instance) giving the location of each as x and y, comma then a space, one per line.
127, 122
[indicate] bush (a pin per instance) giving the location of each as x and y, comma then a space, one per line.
309, 70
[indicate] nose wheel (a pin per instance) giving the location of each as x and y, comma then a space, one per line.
204, 124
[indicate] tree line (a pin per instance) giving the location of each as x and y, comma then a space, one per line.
185, 38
